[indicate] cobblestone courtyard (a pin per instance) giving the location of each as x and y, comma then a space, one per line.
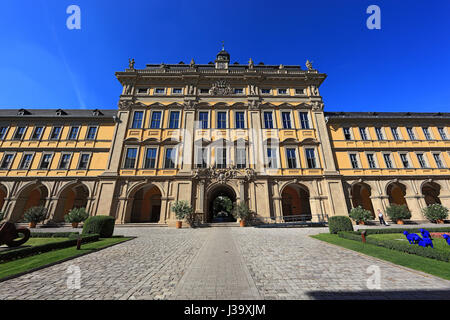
224, 263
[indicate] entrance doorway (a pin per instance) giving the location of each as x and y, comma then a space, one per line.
221, 201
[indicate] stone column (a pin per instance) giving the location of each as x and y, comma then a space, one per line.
188, 141
277, 201
256, 138
414, 207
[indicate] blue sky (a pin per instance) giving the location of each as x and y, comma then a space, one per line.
402, 67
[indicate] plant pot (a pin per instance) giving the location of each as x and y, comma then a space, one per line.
400, 221
440, 221
242, 223
32, 224
361, 222
179, 224
74, 224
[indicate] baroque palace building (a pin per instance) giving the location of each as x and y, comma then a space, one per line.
254, 133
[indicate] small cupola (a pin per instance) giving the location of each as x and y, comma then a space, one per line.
222, 59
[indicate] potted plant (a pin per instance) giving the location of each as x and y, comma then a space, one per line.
360, 215
398, 213
35, 215
75, 216
242, 212
435, 213
182, 210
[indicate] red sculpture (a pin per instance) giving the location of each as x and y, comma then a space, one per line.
9, 232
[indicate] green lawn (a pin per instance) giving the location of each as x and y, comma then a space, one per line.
37, 241
431, 266
29, 263
438, 243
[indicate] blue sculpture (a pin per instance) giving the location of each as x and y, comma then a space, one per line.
412, 237
425, 242
425, 233
447, 238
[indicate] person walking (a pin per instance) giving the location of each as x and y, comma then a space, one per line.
381, 217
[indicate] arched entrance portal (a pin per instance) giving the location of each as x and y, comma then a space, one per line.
396, 192
32, 196
431, 191
218, 204
75, 196
146, 205
3, 194
361, 197
295, 201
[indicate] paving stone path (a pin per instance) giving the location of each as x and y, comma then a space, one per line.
224, 263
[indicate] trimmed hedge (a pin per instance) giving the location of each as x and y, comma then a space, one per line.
54, 234
339, 223
399, 246
102, 225
29, 251
400, 230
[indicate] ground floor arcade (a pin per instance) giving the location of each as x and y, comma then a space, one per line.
149, 200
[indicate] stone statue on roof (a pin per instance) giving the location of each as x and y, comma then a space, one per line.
131, 63
309, 65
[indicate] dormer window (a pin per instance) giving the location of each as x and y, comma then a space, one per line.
265, 91
142, 90
160, 91
282, 91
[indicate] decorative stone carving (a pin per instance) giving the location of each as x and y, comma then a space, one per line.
221, 87
250, 64
223, 175
309, 65
317, 106
253, 89
192, 64
189, 104
125, 104
190, 89
253, 104
131, 63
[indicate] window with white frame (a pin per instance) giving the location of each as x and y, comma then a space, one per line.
411, 134
421, 159
282, 91
221, 157
170, 158
347, 133
65, 161
20, 132
203, 118
405, 160
379, 132
160, 90
46, 160
7, 161
37, 133
91, 133
291, 157
25, 163
73, 133
142, 90
268, 119
438, 160
363, 133
304, 120
3, 131
150, 158
442, 133
155, 122
241, 161
174, 120
354, 160
311, 158
272, 158
265, 91
201, 157
130, 158
221, 120
177, 90
84, 161
137, 120
56, 132
388, 160
239, 120
395, 134
371, 161
426, 133
286, 118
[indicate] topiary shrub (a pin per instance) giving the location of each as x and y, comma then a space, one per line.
102, 225
35, 214
339, 223
398, 212
76, 215
360, 214
434, 212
